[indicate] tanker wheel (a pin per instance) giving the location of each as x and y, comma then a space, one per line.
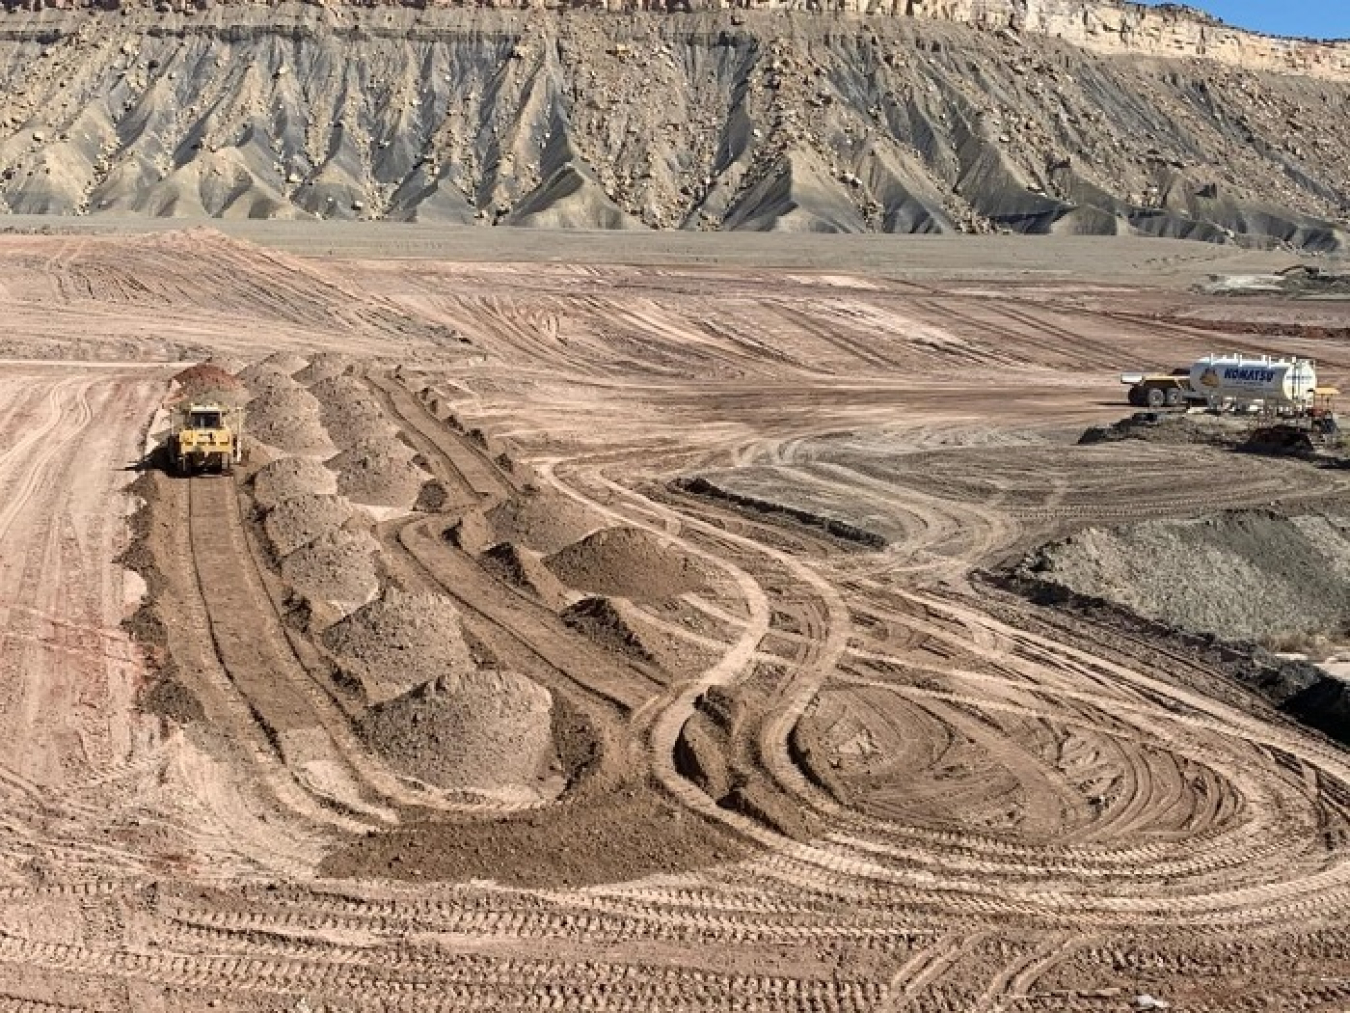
1157, 397
1174, 398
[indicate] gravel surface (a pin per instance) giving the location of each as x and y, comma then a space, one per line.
1240, 575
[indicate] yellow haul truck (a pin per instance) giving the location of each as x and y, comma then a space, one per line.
205, 437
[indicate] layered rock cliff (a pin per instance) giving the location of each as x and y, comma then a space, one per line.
715, 120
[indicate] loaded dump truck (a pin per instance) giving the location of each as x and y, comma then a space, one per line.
1234, 382
205, 436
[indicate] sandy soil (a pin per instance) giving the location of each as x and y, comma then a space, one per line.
827, 774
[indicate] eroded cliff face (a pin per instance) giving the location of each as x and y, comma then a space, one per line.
714, 120
1104, 26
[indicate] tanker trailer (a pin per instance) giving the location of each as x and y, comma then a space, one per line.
1241, 381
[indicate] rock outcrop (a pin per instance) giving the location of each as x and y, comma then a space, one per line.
952, 115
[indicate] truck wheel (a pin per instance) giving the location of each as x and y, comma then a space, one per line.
1137, 397
1174, 398
1157, 397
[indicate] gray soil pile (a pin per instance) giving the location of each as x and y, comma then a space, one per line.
289, 421
299, 520
289, 477
1246, 575
379, 472
401, 640
543, 521
627, 562
485, 730
1172, 428
339, 566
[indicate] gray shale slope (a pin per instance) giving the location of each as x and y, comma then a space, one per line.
754, 120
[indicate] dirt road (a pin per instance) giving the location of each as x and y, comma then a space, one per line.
804, 762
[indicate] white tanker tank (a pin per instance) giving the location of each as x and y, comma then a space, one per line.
1255, 379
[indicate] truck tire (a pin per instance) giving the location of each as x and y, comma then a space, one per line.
1157, 397
1175, 398
1138, 397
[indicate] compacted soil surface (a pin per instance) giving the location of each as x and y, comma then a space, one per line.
619, 637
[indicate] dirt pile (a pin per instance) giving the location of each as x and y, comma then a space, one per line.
339, 566
299, 520
485, 730
1245, 575
285, 362
288, 419
525, 570
1171, 428
210, 381
379, 472
350, 412
324, 366
399, 641
263, 380
610, 624
731, 120
627, 562
288, 477
543, 521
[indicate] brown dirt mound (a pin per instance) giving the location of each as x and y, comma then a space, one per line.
379, 473
197, 381
289, 421
401, 640
323, 366
627, 562
292, 476
486, 730
544, 521
608, 624
351, 412
338, 566
262, 379
526, 570
299, 520
286, 362
353, 425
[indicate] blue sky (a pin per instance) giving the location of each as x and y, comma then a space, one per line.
1316, 19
